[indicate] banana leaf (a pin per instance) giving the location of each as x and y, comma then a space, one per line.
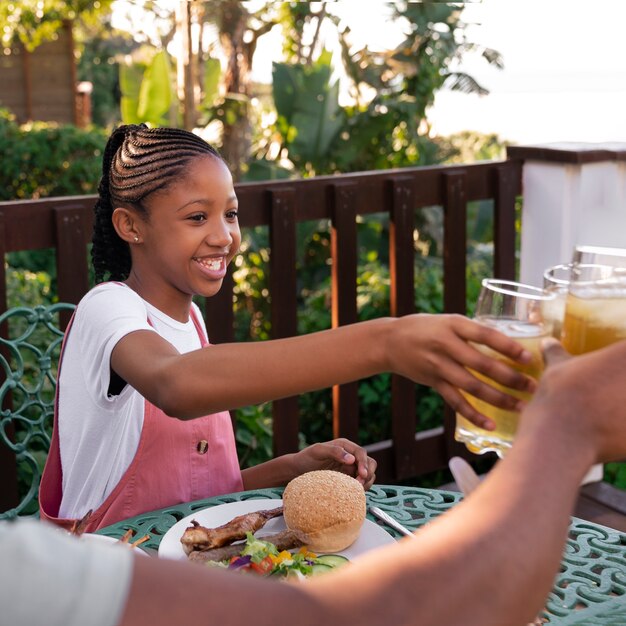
309, 115
131, 75
155, 93
212, 72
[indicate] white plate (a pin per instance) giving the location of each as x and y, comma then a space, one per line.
371, 536
110, 540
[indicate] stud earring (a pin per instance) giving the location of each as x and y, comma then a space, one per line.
136, 239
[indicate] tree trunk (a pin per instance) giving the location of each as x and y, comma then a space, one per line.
232, 20
186, 74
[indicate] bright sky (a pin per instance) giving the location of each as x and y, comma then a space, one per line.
564, 76
565, 69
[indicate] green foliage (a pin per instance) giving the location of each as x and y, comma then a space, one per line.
309, 115
293, 16
385, 130
262, 169
212, 74
470, 146
615, 473
28, 288
146, 89
44, 159
251, 287
35, 21
254, 434
381, 136
155, 93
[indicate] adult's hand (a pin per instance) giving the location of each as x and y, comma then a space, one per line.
589, 393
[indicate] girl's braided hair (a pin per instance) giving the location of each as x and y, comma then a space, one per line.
137, 162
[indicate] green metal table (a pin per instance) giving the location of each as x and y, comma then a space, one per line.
589, 590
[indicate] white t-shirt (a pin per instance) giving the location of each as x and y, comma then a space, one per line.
98, 433
48, 577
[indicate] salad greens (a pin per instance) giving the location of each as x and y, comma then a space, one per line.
262, 558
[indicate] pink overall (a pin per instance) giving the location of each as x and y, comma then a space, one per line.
176, 461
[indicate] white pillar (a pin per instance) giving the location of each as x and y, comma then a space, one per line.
574, 194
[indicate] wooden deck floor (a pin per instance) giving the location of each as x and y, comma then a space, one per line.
603, 504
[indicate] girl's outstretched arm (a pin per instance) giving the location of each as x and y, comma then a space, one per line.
430, 349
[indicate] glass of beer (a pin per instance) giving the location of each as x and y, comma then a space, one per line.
595, 310
556, 279
517, 310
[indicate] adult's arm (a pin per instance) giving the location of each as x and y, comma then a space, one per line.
491, 559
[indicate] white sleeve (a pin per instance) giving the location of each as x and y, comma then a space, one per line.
47, 576
105, 315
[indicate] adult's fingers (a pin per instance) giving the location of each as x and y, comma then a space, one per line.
553, 351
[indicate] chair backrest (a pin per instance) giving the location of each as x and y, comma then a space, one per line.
30, 342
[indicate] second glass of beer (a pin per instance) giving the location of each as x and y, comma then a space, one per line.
517, 310
595, 312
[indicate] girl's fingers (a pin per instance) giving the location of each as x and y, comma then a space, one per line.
361, 461
454, 375
354, 455
337, 452
489, 366
478, 333
459, 404
371, 473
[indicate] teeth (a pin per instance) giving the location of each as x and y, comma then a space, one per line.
212, 264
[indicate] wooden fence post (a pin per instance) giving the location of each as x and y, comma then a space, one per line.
283, 291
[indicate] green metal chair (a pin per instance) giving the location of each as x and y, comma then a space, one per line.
30, 343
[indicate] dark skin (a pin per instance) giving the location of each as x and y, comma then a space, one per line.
182, 248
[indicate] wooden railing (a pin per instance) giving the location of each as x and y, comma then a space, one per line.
64, 224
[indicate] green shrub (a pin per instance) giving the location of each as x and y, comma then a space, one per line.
43, 159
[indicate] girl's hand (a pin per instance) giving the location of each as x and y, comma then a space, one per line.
435, 350
341, 455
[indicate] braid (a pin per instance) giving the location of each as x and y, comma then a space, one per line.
137, 162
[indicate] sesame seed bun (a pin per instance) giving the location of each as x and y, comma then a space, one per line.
328, 506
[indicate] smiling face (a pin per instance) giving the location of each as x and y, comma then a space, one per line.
187, 239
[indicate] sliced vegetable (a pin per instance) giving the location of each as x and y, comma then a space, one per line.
262, 558
320, 568
334, 560
263, 567
239, 562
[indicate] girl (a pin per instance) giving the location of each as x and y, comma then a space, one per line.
141, 417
